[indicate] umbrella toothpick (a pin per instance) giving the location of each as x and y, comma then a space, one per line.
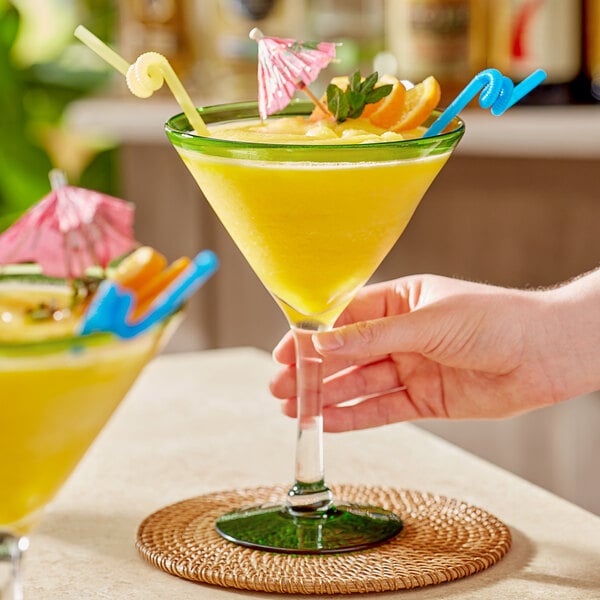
57, 178
70, 230
322, 107
286, 65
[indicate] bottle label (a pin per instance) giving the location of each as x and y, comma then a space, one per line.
546, 34
430, 36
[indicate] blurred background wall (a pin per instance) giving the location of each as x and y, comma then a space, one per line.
518, 204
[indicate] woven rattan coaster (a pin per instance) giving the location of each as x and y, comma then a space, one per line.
443, 539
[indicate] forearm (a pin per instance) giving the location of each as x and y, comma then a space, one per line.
574, 335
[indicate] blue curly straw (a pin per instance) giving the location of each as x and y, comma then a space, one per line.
497, 92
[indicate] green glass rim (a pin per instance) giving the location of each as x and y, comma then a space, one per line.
180, 134
54, 345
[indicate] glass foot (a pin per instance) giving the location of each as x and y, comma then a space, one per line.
343, 528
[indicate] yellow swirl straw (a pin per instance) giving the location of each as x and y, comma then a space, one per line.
146, 75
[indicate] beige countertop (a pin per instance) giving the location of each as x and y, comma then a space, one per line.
201, 422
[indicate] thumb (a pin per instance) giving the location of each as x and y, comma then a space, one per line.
400, 333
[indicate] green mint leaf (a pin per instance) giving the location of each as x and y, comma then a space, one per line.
333, 93
355, 98
355, 111
350, 103
344, 107
378, 93
369, 83
337, 103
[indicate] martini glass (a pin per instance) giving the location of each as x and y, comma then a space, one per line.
57, 394
314, 222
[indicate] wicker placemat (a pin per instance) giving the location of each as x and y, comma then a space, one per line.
443, 539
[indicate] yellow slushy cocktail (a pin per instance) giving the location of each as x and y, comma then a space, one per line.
57, 391
313, 232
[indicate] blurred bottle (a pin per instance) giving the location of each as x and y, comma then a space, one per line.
357, 24
444, 38
159, 26
531, 34
226, 68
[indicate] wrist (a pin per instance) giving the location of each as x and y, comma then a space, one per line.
574, 325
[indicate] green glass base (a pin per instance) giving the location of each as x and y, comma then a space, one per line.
344, 528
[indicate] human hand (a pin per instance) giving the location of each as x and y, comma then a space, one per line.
433, 347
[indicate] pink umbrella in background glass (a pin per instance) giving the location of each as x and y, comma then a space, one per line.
70, 230
286, 65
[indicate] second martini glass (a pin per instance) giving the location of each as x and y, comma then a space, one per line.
314, 222
57, 394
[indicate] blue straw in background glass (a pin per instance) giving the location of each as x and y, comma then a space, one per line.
110, 309
497, 92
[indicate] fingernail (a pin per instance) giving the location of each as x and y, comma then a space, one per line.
331, 340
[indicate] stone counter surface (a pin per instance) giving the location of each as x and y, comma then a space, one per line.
205, 421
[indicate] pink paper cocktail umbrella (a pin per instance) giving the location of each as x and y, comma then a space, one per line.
70, 230
285, 66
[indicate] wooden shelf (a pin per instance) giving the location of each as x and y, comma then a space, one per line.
569, 132
534, 132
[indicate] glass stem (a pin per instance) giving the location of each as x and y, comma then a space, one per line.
309, 495
12, 549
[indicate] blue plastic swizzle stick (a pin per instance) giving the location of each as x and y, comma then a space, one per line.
110, 309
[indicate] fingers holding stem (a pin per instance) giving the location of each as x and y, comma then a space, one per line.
354, 397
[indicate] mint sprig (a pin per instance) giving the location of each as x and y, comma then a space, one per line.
349, 103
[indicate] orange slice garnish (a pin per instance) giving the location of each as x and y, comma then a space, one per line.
385, 112
140, 266
418, 104
145, 273
147, 294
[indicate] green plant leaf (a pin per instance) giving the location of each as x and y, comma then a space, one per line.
34, 98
